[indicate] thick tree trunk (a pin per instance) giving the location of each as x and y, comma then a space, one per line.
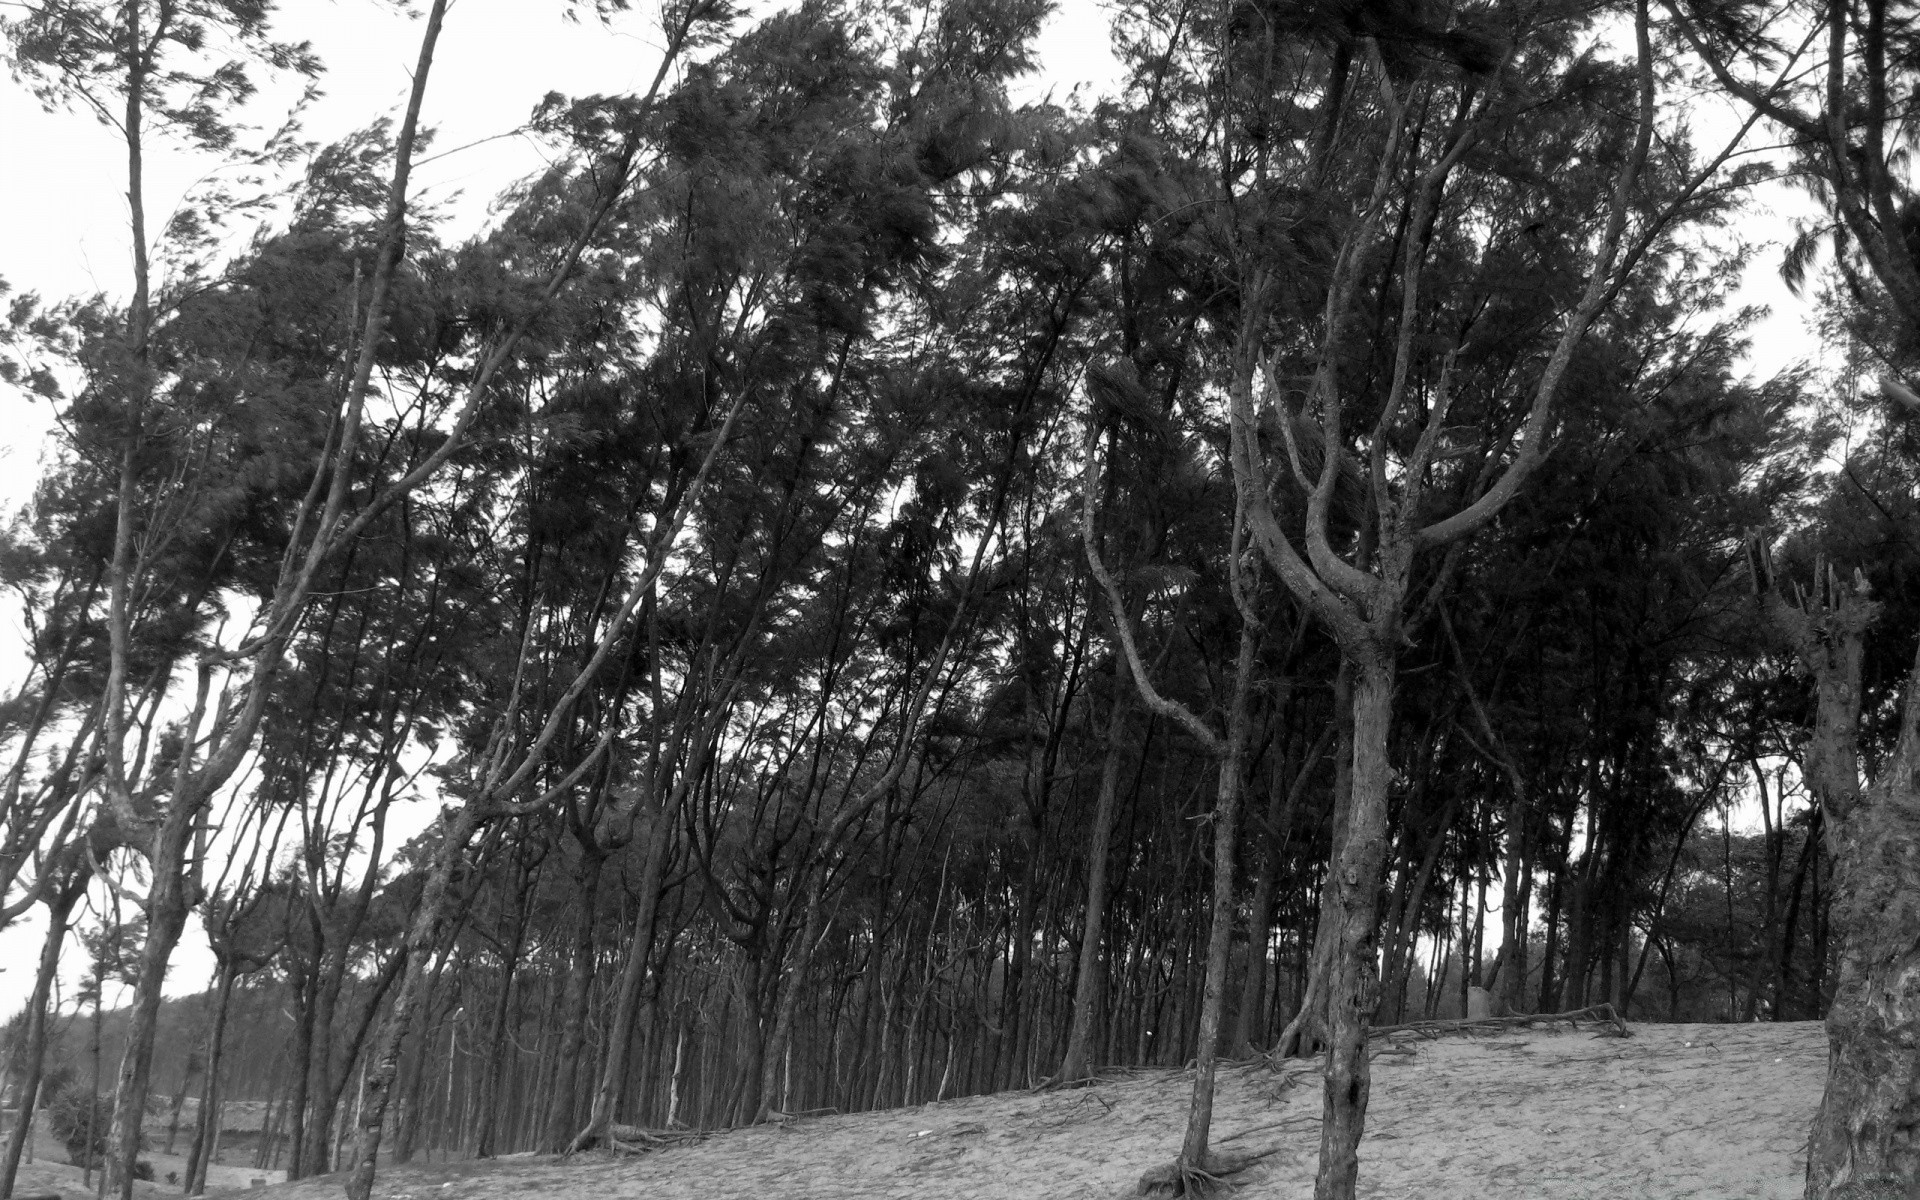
1864, 1131
1354, 894
1863, 1134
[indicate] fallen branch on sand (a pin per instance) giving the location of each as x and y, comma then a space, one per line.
779, 1117
631, 1139
1599, 1013
1290, 1123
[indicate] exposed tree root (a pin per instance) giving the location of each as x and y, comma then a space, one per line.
1181, 1178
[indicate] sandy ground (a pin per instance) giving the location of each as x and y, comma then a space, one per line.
1675, 1111
50, 1171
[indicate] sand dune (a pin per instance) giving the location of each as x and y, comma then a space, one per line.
1675, 1111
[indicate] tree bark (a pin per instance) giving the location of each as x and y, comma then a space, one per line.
1863, 1131
1862, 1135
1354, 899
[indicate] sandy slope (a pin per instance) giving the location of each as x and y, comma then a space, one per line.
1675, 1111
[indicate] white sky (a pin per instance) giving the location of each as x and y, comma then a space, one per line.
64, 212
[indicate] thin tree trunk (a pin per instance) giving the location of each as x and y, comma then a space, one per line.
1226, 837
192, 1068
1409, 918
626, 1003
1783, 988
564, 1116
168, 903
496, 1046
423, 937
1090, 976
1281, 805
59, 909
207, 1126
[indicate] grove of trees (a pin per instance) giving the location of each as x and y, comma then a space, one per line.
854, 589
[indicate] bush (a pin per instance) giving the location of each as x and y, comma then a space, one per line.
142, 1169
67, 1113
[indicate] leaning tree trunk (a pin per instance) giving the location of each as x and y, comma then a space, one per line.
423, 938
1353, 899
59, 908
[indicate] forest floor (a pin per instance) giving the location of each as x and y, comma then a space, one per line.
1674, 1111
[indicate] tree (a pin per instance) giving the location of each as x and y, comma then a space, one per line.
1838, 96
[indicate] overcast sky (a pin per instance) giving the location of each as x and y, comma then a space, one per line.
64, 212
